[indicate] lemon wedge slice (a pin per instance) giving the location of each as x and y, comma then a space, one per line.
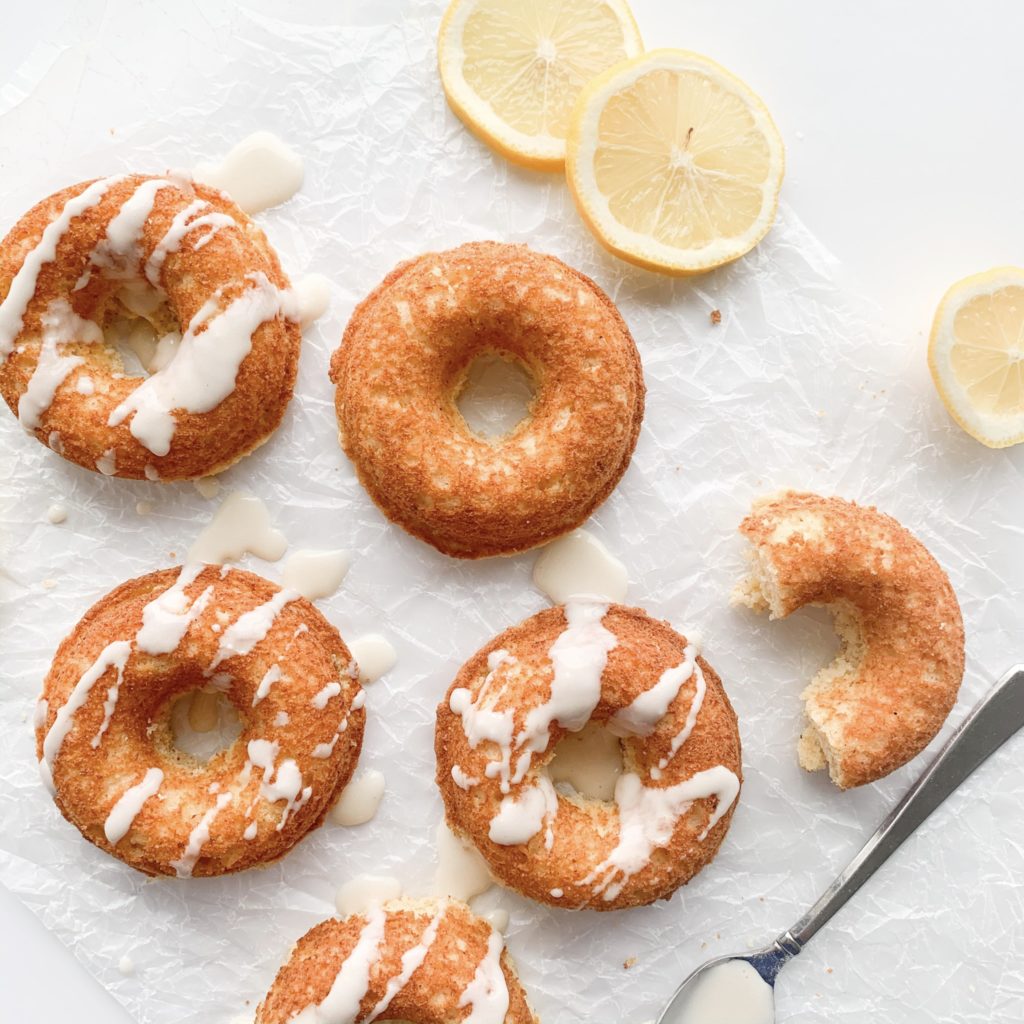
513, 69
976, 355
674, 163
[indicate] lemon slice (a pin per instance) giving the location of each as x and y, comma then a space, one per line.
512, 69
674, 163
976, 355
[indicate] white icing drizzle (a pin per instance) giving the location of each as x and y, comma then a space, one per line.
240, 525
480, 721
280, 781
341, 1004
360, 799
374, 656
114, 655
641, 717
281, 719
107, 462
320, 699
462, 873
521, 817
23, 287
462, 780
203, 372
124, 812
271, 676
61, 326
249, 629
579, 563
315, 574
85, 385
412, 958
166, 618
323, 750
487, 994
108, 710
120, 249
56, 514
648, 818
260, 172
250, 831
199, 213
198, 838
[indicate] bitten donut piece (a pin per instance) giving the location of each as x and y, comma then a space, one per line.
404, 360
177, 273
428, 961
104, 739
512, 702
901, 656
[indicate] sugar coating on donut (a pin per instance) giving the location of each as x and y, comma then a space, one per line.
901, 655
589, 662
426, 960
404, 360
104, 735
174, 272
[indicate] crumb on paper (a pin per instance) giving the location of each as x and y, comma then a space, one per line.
48, 584
828, 970
716, 317
627, 964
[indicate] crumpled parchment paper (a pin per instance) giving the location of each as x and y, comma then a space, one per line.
798, 386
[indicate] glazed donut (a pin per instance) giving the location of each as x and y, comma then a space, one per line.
178, 272
901, 656
517, 697
428, 961
104, 739
404, 361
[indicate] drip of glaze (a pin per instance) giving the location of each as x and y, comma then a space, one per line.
281, 781
203, 371
579, 564
23, 286
167, 617
461, 872
56, 514
271, 676
207, 486
249, 629
497, 919
589, 762
357, 895
313, 296
487, 994
360, 799
374, 655
120, 250
114, 655
240, 526
319, 700
731, 992
641, 717
107, 462
323, 750
315, 574
198, 214
198, 838
522, 816
341, 1004
127, 808
260, 172
85, 385
648, 818
61, 326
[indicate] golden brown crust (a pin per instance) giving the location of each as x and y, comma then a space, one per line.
586, 831
401, 366
203, 443
433, 991
90, 779
902, 658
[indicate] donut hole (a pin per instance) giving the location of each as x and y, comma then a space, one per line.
495, 394
139, 329
203, 722
587, 764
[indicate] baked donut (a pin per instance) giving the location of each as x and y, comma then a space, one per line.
177, 272
901, 656
104, 739
405, 358
512, 702
428, 961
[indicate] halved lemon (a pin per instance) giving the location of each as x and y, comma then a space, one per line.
513, 69
674, 163
976, 355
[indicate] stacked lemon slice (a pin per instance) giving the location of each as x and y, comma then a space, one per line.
674, 163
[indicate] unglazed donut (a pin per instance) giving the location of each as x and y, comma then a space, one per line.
901, 658
428, 961
104, 740
517, 697
404, 360
145, 258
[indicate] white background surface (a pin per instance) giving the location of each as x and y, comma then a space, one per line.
902, 124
